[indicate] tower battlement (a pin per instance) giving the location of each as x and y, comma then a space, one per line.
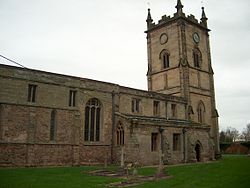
165, 20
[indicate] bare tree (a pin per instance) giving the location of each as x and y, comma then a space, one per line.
246, 133
231, 134
235, 134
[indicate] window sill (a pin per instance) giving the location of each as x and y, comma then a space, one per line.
167, 68
99, 143
31, 103
72, 106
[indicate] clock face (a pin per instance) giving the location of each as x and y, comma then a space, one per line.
196, 38
163, 38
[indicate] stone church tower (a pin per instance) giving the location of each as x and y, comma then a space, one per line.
179, 64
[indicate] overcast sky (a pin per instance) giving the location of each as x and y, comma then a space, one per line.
105, 40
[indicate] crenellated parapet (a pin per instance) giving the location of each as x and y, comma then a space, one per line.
165, 20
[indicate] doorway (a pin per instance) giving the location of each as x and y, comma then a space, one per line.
198, 152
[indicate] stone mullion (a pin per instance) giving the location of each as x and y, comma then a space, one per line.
117, 137
123, 133
89, 124
121, 137
95, 110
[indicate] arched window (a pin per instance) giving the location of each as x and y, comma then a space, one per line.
197, 58
92, 120
52, 125
164, 57
201, 112
120, 135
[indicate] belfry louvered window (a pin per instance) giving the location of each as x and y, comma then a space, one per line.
197, 58
164, 58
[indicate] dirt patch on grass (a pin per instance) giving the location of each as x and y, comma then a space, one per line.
128, 180
137, 181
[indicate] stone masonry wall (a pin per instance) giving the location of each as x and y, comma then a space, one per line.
17, 154
94, 154
13, 154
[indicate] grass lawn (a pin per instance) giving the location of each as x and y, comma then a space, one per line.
231, 171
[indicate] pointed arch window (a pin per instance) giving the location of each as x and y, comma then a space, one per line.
164, 57
53, 125
92, 120
120, 135
197, 58
201, 112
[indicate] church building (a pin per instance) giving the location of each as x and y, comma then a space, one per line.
53, 119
